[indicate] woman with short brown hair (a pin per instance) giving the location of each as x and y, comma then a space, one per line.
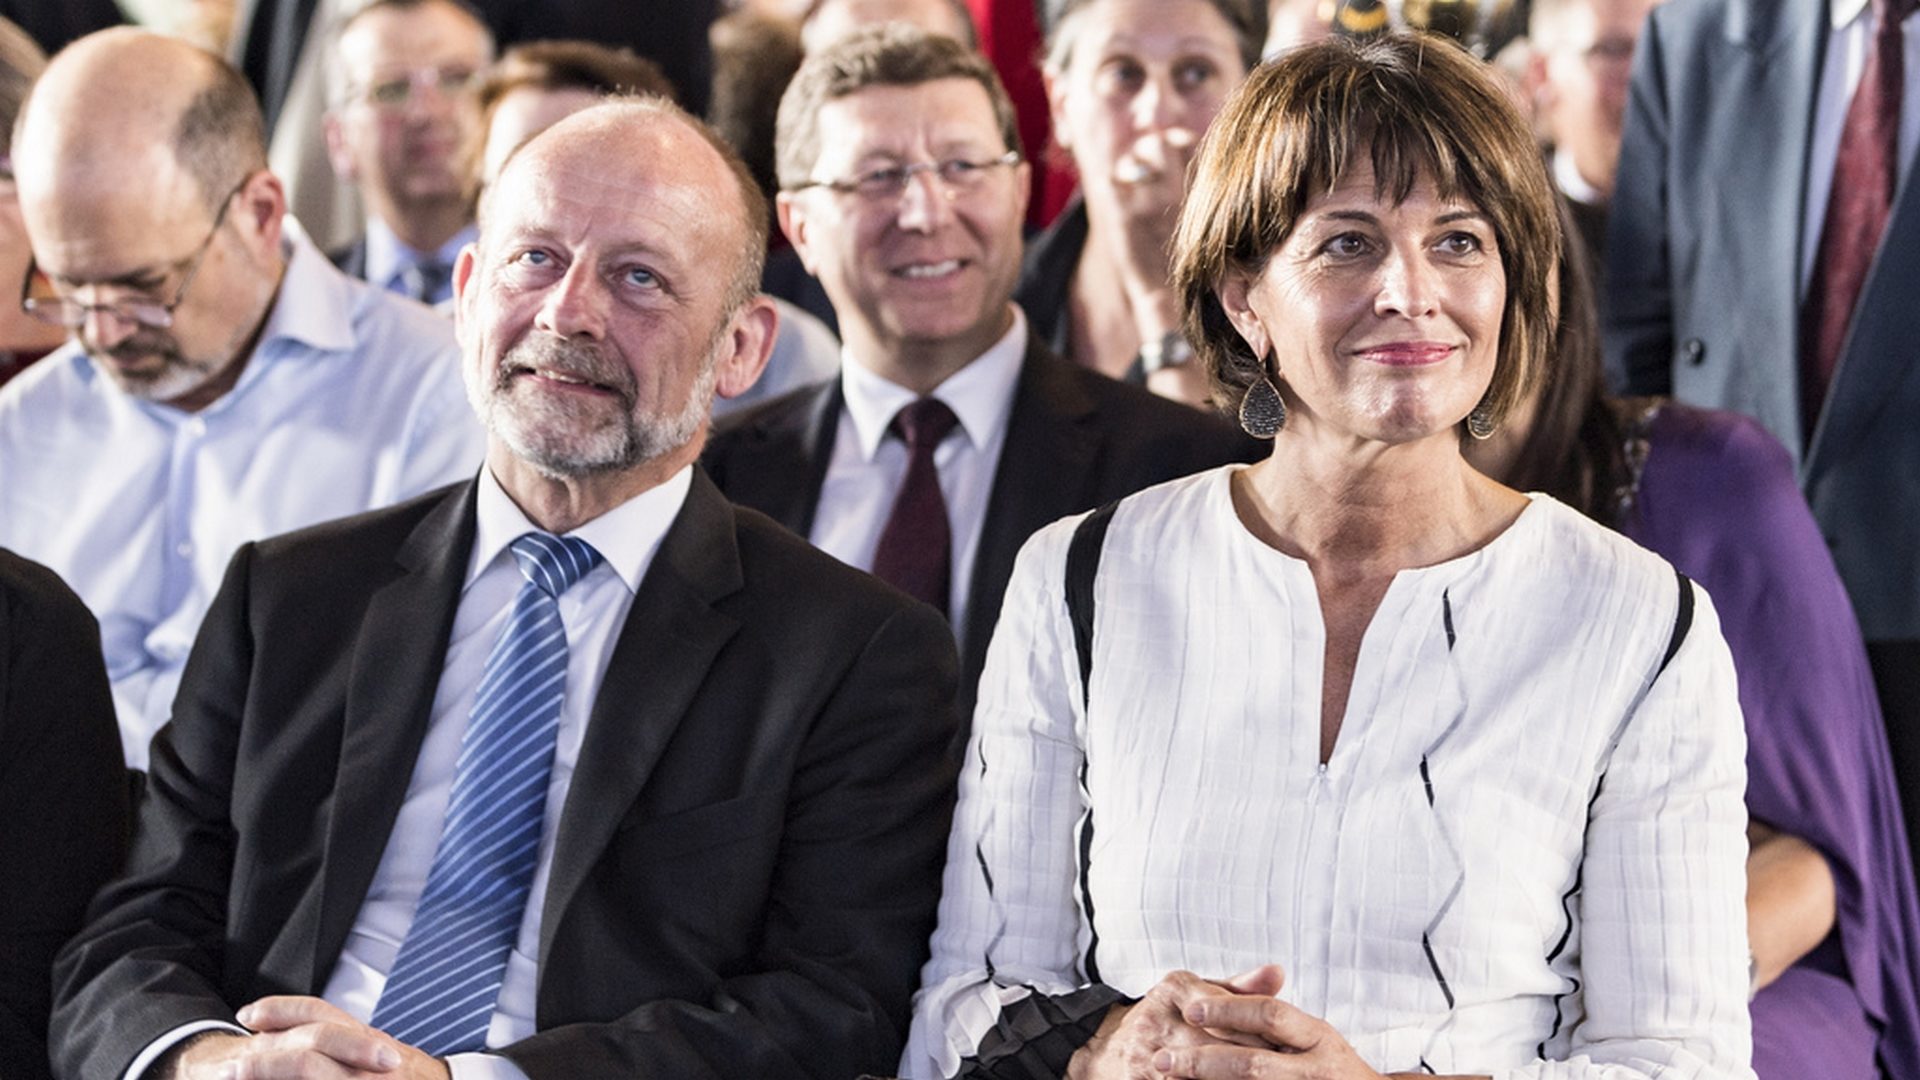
1354, 761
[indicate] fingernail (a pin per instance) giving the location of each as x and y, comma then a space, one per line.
245, 1015
387, 1058
1196, 1013
1163, 1061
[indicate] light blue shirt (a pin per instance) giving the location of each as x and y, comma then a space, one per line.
351, 400
390, 262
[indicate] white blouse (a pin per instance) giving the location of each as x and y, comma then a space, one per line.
1525, 856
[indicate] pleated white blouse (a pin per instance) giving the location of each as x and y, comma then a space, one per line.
1525, 856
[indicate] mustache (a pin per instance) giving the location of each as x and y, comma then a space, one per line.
573, 360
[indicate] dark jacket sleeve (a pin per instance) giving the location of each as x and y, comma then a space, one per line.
158, 929
63, 785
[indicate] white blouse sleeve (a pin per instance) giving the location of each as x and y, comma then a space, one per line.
1663, 939
1009, 927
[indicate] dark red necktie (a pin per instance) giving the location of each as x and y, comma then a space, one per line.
1864, 176
915, 554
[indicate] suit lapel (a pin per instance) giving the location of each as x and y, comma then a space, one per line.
1768, 62
397, 661
659, 664
780, 470
1883, 342
1045, 473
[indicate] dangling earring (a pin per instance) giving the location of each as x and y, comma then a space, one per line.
1262, 412
1480, 422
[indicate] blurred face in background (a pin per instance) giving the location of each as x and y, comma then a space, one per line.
399, 127
1132, 85
1580, 74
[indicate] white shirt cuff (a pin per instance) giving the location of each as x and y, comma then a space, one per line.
138, 1070
483, 1067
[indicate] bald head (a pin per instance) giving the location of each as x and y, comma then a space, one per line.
125, 104
658, 144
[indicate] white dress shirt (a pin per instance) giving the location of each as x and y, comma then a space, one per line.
1849, 41
867, 467
351, 400
593, 611
1455, 887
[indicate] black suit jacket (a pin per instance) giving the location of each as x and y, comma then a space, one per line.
745, 873
63, 794
1075, 440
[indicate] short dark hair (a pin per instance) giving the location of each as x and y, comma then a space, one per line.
554, 66
745, 282
221, 138
1247, 17
892, 54
1416, 105
754, 58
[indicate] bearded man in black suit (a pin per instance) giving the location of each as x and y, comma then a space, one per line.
574, 770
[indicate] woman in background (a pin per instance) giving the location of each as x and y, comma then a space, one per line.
1831, 916
1132, 85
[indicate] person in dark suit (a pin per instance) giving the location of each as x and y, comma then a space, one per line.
398, 128
1763, 244
575, 770
63, 785
910, 217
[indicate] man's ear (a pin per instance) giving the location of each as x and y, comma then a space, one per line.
338, 155
748, 344
260, 212
465, 287
792, 215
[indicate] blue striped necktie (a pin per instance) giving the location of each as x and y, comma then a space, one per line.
446, 979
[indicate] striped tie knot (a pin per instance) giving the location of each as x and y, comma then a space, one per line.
554, 563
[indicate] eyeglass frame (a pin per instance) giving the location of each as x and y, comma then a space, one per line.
160, 315
415, 80
903, 175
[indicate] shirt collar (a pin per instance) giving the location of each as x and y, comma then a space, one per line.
626, 536
1843, 12
315, 303
1572, 184
980, 394
388, 258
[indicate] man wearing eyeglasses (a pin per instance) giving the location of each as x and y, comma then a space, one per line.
1578, 74
951, 434
224, 382
396, 131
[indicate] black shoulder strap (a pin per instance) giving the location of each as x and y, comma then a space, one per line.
1083, 565
1682, 622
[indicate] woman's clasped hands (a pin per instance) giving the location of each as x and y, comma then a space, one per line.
1190, 1028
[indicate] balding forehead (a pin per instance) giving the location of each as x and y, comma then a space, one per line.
120, 93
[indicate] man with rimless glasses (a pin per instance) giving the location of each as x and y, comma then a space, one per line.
223, 382
397, 130
951, 434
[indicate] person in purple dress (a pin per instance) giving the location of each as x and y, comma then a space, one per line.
1833, 927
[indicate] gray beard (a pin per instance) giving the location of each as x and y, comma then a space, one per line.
567, 440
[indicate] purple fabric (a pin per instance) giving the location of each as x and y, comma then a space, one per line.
1719, 500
